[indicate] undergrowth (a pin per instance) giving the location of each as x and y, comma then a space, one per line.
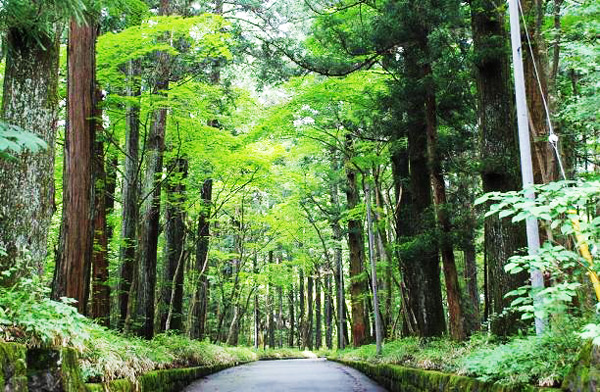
538, 360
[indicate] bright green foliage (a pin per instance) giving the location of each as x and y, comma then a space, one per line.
542, 360
35, 18
558, 206
109, 355
204, 34
14, 140
28, 315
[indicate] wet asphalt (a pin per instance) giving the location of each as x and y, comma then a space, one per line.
293, 375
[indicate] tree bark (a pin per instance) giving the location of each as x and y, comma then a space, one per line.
545, 168
302, 320
30, 101
150, 222
200, 303
356, 246
415, 224
453, 293
103, 204
73, 266
292, 317
130, 208
328, 312
499, 156
310, 336
172, 295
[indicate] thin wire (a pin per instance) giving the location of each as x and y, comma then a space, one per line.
552, 137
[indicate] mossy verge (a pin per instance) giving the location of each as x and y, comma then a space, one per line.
585, 372
399, 378
54, 370
171, 380
13, 367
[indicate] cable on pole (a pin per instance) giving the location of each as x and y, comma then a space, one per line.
552, 136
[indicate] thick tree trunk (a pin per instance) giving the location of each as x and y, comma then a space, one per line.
453, 293
30, 101
403, 216
103, 204
256, 309
418, 254
280, 311
172, 295
302, 320
499, 156
383, 252
130, 208
356, 245
270, 318
310, 336
471, 282
150, 212
318, 317
150, 228
200, 302
328, 312
292, 317
73, 266
342, 329
234, 327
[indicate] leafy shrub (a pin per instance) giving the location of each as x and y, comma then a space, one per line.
28, 316
542, 360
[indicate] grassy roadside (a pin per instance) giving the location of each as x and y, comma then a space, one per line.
541, 361
109, 355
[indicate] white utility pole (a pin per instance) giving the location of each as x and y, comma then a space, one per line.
533, 235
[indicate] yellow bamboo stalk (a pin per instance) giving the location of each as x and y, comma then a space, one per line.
584, 250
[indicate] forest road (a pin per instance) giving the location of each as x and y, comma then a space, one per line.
306, 375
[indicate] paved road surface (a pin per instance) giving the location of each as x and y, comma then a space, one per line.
294, 375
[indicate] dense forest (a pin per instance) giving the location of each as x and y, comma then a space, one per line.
312, 174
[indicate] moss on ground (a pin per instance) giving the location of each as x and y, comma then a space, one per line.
171, 380
399, 378
13, 366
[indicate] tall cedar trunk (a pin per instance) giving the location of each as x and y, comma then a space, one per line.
499, 156
328, 312
419, 256
473, 315
453, 293
130, 208
200, 303
403, 216
383, 251
292, 317
103, 198
301, 318
318, 316
234, 300
338, 272
72, 273
150, 213
256, 309
280, 310
544, 161
172, 295
30, 101
270, 317
310, 336
357, 254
